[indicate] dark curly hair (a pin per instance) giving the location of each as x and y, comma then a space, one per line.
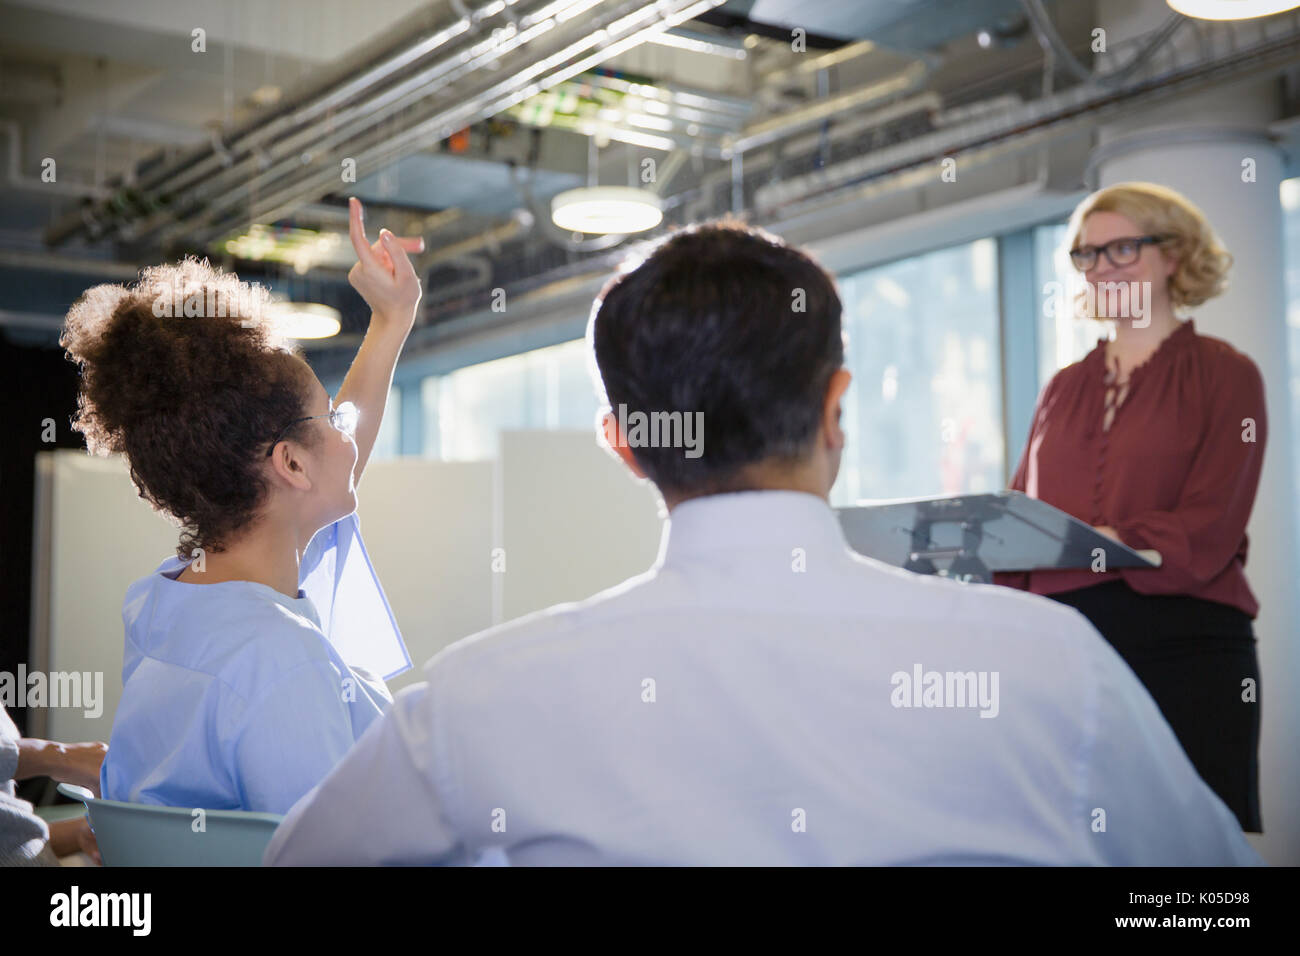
182, 374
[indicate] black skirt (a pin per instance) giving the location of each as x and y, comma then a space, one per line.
1193, 656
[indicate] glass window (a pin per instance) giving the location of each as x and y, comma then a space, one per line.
1291, 232
923, 414
465, 410
387, 443
1062, 338
431, 440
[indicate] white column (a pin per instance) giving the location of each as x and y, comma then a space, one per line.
1214, 149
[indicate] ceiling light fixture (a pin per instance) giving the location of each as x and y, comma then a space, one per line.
606, 210
1231, 9
304, 320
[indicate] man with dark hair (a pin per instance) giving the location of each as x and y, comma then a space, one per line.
762, 695
732, 329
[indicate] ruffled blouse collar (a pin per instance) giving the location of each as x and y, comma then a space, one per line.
1180, 337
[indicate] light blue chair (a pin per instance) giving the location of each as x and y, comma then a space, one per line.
142, 834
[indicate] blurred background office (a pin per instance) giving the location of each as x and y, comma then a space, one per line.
927, 152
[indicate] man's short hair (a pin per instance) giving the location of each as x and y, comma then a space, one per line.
727, 321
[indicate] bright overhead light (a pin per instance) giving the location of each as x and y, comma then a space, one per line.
303, 249
304, 320
606, 210
1231, 9
1291, 194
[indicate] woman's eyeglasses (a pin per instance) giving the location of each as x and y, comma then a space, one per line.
1120, 252
344, 418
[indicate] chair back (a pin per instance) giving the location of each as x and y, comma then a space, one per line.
141, 834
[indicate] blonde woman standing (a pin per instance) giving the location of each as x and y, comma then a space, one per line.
1156, 438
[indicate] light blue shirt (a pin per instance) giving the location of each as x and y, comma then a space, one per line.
753, 699
236, 696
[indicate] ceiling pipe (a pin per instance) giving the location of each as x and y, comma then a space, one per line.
675, 96
1066, 112
479, 265
1084, 102
297, 147
614, 36
286, 153
50, 262
769, 130
33, 321
1025, 129
808, 67
1057, 48
16, 179
518, 225
314, 105
698, 201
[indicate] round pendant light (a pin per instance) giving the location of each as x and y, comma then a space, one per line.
304, 320
606, 210
1231, 9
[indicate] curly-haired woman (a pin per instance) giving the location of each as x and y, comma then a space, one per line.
237, 690
1156, 438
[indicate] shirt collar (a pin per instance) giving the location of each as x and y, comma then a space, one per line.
172, 566
751, 525
1184, 334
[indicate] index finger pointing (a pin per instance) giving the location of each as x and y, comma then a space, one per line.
357, 233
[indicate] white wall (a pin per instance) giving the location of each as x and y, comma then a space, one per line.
428, 529
102, 537
572, 522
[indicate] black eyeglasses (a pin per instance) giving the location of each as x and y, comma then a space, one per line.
1121, 252
344, 418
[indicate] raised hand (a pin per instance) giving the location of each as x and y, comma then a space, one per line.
383, 274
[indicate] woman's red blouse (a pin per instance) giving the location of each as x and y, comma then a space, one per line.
1176, 472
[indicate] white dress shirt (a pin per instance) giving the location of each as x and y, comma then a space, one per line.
752, 699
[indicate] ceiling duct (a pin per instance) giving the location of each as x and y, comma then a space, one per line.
266, 171
906, 26
1083, 102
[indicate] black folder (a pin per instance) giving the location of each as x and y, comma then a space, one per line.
968, 537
